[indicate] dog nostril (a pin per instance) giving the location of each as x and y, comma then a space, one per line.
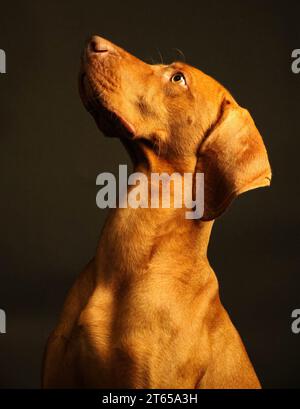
96, 46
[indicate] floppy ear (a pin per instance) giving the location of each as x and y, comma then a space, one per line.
233, 159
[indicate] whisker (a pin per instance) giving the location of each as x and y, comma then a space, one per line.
150, 60
160, 55
180, 53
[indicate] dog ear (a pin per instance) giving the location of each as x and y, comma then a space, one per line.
233, 159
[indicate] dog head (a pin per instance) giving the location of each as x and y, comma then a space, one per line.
181, 115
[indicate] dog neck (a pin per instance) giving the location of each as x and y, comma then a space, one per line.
152, 240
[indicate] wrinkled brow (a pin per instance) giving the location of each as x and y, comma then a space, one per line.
178, 65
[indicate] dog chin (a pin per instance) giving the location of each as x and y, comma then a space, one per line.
108, 119
111, 123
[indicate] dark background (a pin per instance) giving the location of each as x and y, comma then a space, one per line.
51, 153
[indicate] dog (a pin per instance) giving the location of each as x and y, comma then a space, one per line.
146, 312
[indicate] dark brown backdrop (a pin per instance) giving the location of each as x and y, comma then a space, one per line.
51, 153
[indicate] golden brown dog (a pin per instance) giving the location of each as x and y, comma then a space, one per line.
145, 312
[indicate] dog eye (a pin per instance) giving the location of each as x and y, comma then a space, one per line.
178, 78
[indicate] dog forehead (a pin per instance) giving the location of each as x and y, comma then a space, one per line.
206, 87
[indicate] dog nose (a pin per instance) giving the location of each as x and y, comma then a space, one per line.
98, 44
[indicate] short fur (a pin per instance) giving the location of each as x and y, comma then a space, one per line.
145, 312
